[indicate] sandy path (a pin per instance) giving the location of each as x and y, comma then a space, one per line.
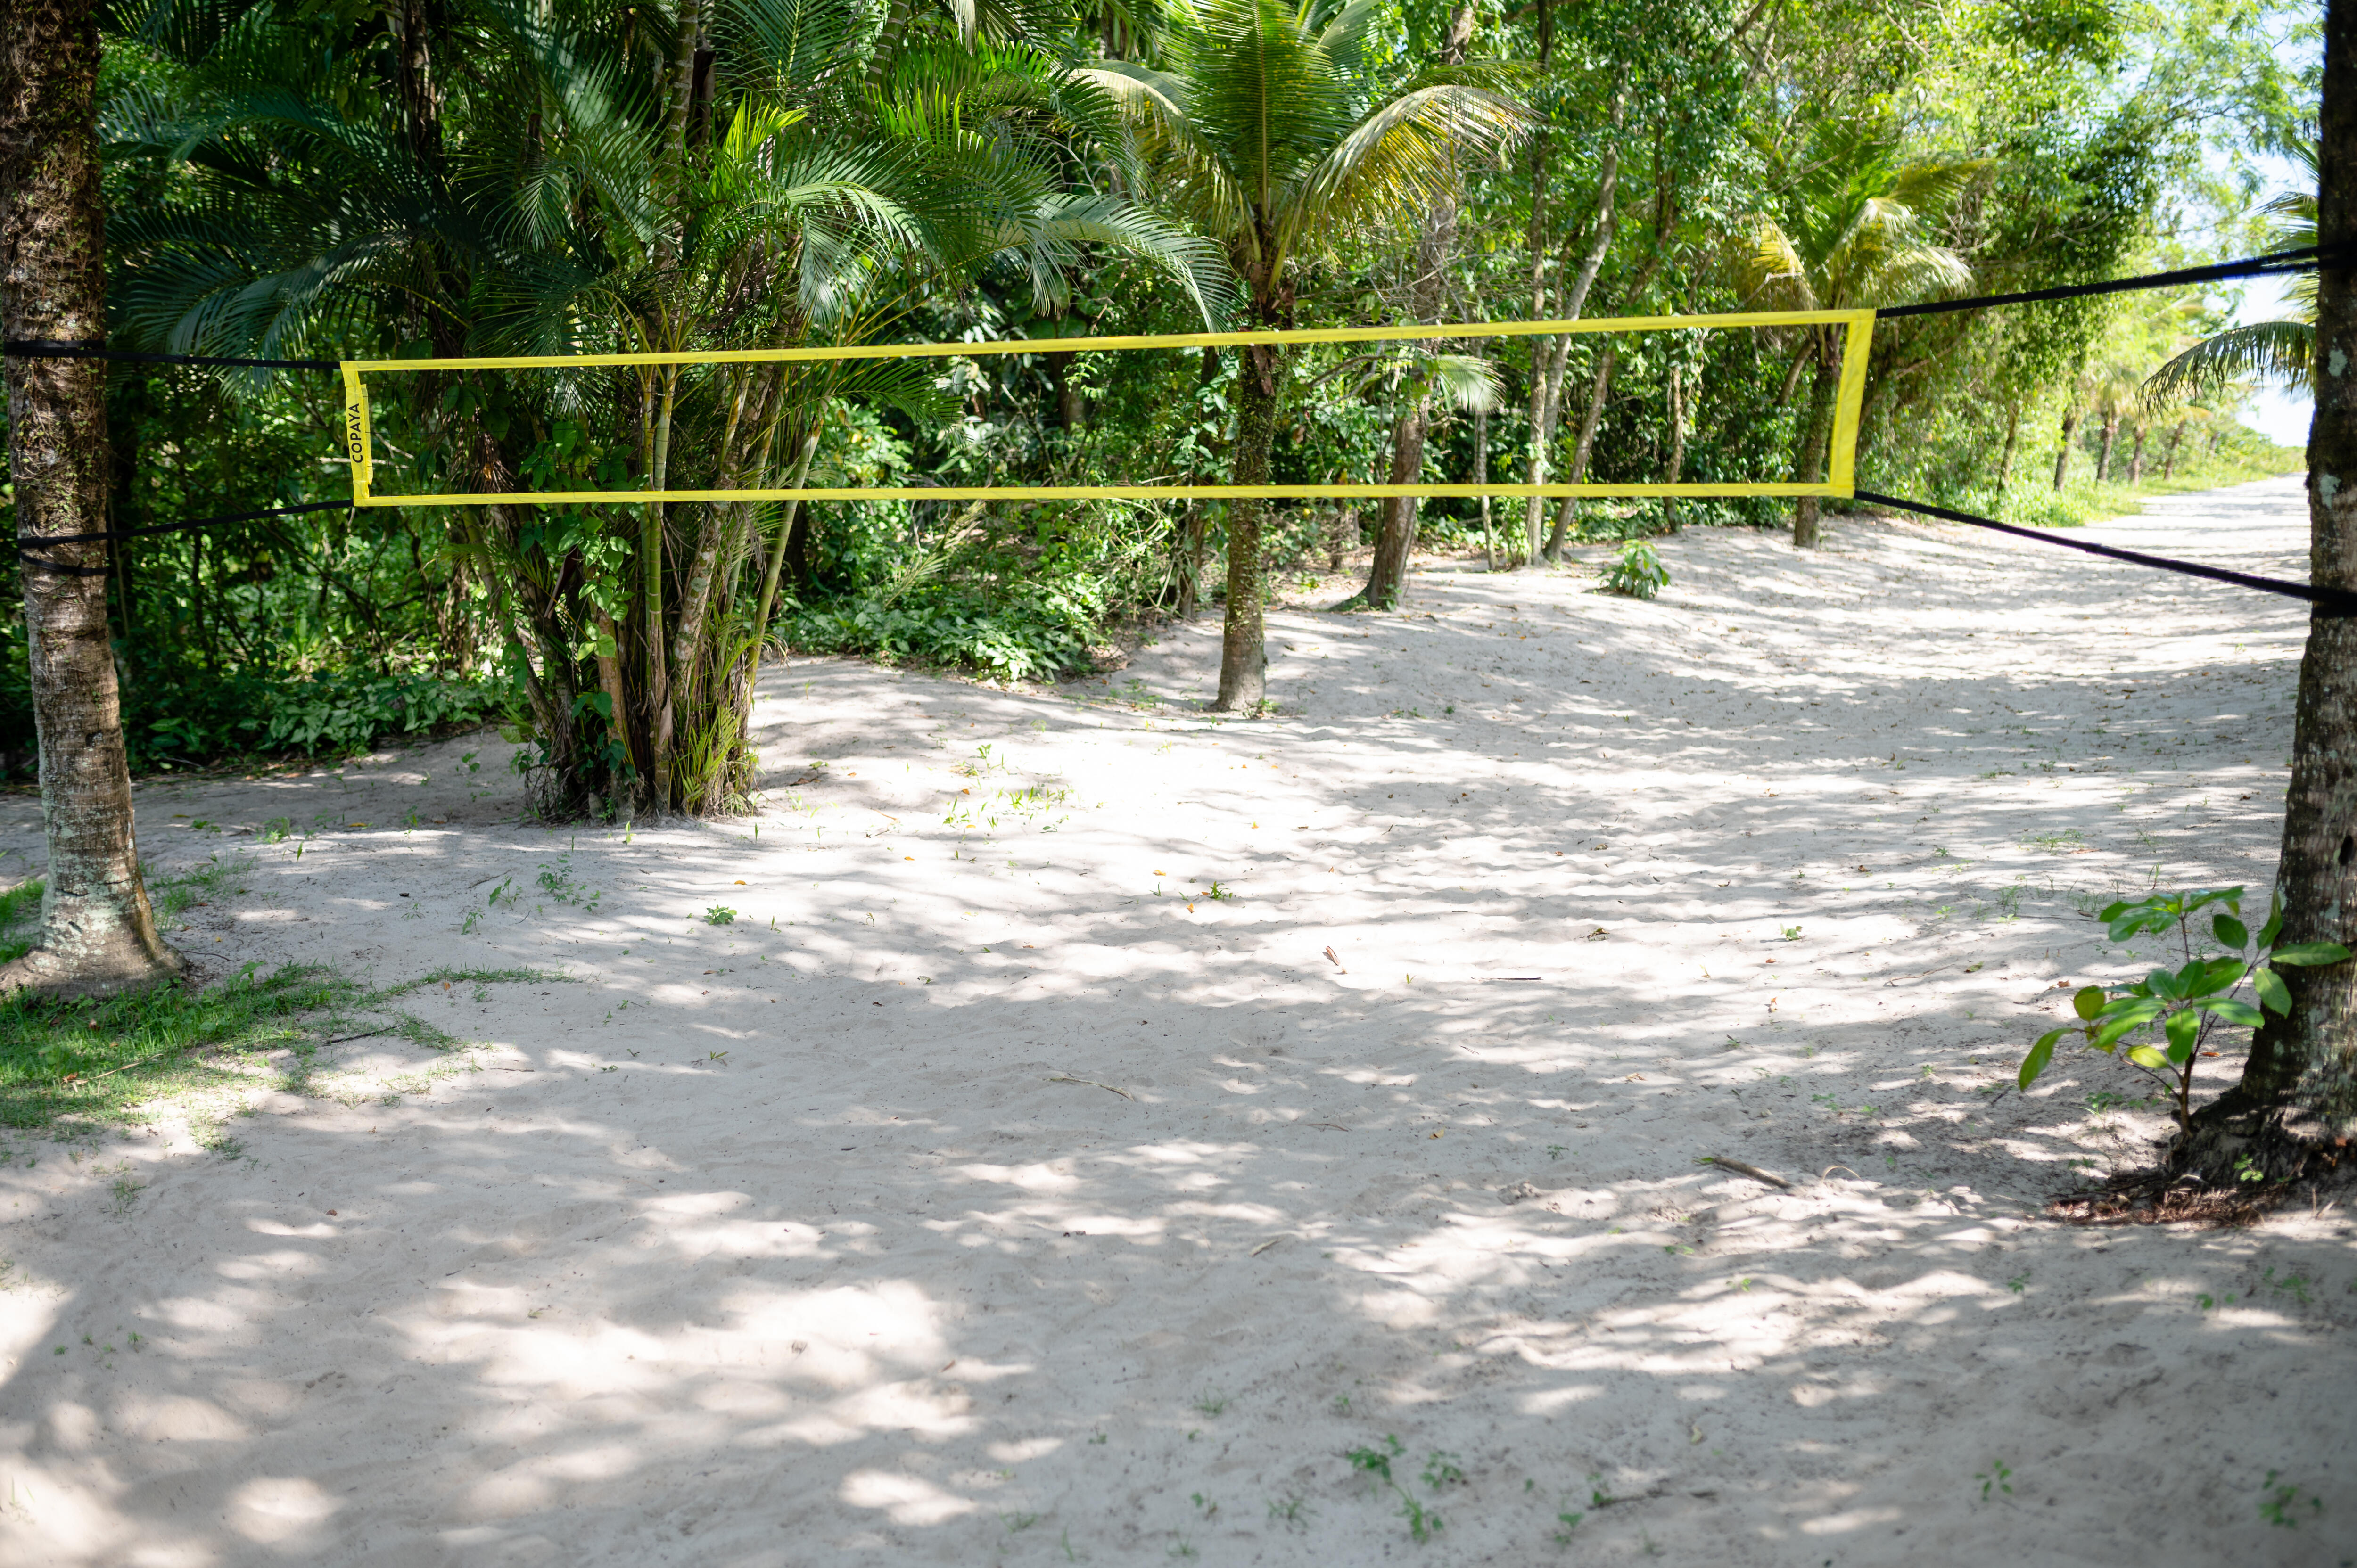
1032, 1206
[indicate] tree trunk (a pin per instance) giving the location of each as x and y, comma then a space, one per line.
1811, 471
1481, 476
2168, 453
1070, 413
1395, 542
98, 934
2299, 1088
1243, 652
2012, 440
2136, 459
2104, 454
1548, 362
2062, 453
1599, 390
1677, 448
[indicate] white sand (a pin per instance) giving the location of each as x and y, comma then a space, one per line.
823, 1237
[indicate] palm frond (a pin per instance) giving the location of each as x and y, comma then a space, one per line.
2283, 351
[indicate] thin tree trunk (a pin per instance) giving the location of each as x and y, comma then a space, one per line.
1811, 471
1677, 448
2299, 1088
2136, 459
2103, 455
778, 557
1395, 541
1481, 476
1244, 651
2168, 456
2062, 453
662, 714
1549, 363
1566, 513
2012, 440
98, 933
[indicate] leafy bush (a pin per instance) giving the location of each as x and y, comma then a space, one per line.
1638, 574
2183, 1006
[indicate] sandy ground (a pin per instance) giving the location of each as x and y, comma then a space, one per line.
1149, 1212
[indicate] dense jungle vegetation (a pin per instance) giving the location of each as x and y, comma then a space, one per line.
431, 178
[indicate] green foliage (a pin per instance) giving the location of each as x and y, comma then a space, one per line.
94, 1060
720, 915
1442, 1471
2175, 1011
272, 188
1638, 574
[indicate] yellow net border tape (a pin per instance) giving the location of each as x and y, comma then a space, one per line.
1839, 481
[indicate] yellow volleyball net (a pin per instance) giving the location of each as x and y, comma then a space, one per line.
1857, 328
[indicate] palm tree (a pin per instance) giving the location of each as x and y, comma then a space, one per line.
785, 203
1261, 129
1852, 236
98, 934
2283, 351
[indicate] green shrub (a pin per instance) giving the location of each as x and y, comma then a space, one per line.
1638, 574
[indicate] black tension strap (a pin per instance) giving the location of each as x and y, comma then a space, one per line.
2328, 601
42, 348
2304, 259
2335, 602
30, 543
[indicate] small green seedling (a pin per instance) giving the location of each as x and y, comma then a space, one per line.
1375, 1464
2184, 1006
1294, 1512
720, 915
1997, 1478
2280, 1505
1638, 574
1791, 933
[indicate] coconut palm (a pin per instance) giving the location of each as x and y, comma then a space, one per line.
1854, 234
786, 204
2282, 351
1260, 128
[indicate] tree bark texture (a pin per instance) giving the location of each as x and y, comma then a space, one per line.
1395, 540
98, 934
2062, 453
1567, 512
1818, 434
1244, 651
2299, 1088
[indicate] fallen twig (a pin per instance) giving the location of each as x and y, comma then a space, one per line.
1338, 962
1754, 1172
1093, 1083
1336, 1125
143, 1061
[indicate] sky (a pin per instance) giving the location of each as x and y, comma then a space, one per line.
2276, 412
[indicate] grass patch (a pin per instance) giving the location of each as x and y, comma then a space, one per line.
94, 1060
173, 897
475, 977
20, 920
